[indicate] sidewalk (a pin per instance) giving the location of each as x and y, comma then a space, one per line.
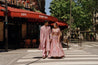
74, 56
7, 58
34, 56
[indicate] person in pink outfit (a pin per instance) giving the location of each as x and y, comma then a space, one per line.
45, 31
56, 49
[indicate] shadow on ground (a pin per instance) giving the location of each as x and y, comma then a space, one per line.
37, 57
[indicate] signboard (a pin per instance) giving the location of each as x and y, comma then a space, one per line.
40, 16
23, 14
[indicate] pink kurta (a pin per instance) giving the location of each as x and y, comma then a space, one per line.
45, 38
56, 47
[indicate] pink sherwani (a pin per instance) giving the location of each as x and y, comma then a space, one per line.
56, 47
45, 39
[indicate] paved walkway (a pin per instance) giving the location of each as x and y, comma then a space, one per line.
75, 55
72, 57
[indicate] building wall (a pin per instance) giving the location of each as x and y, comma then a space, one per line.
24, 29
43, 6
37, 4
1, 31
24, 3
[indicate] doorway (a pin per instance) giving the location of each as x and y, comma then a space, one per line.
14, 35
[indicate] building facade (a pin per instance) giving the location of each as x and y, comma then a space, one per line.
35, 5
20, 29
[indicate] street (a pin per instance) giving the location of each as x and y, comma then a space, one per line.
75, 55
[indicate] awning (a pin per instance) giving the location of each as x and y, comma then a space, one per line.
1, 12
14, 12
59, 23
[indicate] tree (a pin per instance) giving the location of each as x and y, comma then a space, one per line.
60, 9
82, 12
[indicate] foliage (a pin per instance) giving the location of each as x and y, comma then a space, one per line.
60, 9
82, 12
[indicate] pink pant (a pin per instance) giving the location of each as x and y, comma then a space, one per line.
44, 52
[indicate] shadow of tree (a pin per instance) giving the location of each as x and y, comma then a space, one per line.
38, 59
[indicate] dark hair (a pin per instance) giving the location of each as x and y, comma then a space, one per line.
45, 21
56, 24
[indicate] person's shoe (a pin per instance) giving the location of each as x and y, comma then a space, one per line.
44, 57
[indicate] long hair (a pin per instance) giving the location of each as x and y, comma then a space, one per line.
56, 24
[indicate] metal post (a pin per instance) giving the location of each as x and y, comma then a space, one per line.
70, 18
95, 24
6, 27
